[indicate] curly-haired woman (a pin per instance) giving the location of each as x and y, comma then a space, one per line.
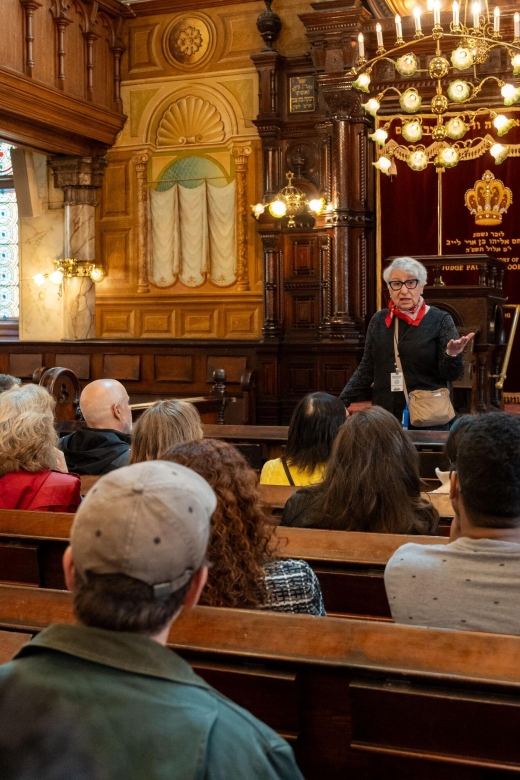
30, 463
246, 572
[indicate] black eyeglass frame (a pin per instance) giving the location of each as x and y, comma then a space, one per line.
410, 284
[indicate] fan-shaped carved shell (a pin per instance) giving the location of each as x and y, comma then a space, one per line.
191, 120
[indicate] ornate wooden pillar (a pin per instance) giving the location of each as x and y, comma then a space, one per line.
351, 215
241, 155
141, 168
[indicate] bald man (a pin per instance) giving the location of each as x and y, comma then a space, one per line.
104, 444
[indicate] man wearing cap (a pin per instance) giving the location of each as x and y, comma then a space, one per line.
136, 559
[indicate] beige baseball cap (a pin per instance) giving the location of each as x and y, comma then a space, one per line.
150, 521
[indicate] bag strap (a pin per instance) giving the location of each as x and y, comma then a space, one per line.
398, 359
287, 472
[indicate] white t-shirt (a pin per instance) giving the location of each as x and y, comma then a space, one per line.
469, 584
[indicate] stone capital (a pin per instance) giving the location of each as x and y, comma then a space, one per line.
78, 177
342, 99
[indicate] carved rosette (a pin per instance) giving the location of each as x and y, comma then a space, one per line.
141, 168
241, 156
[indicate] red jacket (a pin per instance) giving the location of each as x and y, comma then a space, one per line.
46, 491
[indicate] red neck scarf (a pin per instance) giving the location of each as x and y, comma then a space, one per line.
412, 317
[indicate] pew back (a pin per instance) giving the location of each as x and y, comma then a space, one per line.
356, 700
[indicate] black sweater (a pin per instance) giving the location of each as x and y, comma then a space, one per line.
422, 350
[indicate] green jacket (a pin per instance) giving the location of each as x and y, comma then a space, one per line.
149, 715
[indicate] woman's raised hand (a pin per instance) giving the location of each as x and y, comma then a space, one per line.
455, 346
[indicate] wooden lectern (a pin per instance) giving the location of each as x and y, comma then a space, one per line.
475, 305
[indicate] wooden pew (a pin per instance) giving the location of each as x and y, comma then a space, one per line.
355, 699
349, 566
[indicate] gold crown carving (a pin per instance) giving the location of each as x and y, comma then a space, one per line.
488, 200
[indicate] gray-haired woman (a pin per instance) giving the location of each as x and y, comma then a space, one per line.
428, 344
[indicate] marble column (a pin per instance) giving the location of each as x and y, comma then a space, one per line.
80, 178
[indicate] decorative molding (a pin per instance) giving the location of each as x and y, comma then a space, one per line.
190, 120
29, 7
241, 155
140, 162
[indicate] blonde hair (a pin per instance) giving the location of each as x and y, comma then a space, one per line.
161, 426
27, 435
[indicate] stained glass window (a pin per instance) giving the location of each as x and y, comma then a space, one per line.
9, 292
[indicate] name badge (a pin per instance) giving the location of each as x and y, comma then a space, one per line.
396, 382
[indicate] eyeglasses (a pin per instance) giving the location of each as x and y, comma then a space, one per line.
410, 284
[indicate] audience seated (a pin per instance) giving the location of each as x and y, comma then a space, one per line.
7, 382
472, 583
104, 444
314, 426
136, 560
30, 475
450, 451
161, 426
245, 572
42, 737
371, 484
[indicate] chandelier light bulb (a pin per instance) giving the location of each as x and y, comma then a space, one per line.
56, 277
510, 94
418, 160
258, 210
448, 157
317, 205
496, 20
379, 34
476, 14
515, 62
499, 152
412, 131
379, 136
436, 12
503, 124
456, 20
417, 17
39, 279
372, 106
277, 209
383, 165
362, 82
398, 27
456, 128
97, 274
516, 20
361, 45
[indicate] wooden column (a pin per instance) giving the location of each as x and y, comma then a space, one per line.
272, 327
29, 7
141, 168
241, 155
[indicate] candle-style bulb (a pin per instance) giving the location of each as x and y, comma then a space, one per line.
398, 27
417, 16
476, 15
517, 25
496, 20
379, 34
436, 12
456, 20
361, 45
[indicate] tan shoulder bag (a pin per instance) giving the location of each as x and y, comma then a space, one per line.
427, 408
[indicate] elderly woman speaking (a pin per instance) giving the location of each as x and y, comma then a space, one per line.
409, 346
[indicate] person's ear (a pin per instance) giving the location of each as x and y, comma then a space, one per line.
198, 581
68, 568
454, 491
116, 411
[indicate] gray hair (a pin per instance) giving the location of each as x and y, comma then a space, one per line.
410, 266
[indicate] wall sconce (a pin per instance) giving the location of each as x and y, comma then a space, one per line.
289, 202
69, 268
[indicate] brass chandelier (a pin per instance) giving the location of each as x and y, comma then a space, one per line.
470, 46
290, 202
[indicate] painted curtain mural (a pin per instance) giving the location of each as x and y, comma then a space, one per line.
193, 225
408, 219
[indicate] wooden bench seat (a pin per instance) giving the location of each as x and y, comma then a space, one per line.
349, 566
357, 700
